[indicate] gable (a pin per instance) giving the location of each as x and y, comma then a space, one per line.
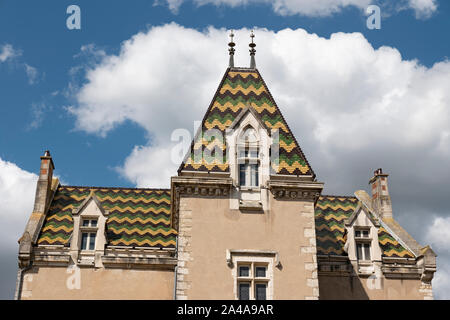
239, 88
330, 215
137, 217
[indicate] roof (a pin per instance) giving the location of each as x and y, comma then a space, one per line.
137, 217
330, 213
239, 88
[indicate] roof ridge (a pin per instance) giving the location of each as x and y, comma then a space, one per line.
336, 196
120, 188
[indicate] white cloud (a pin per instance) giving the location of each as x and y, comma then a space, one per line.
148, 167
423, 8
339, 94
353, 108
318, 8
17, 188
7, 52
438, 236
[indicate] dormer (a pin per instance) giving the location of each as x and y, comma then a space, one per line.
362, 244
88, 240
248, 143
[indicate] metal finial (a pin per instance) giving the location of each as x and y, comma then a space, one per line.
231, 50
252, 46
231, 36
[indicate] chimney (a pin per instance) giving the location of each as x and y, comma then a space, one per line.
44, 183
43, 195
381, 201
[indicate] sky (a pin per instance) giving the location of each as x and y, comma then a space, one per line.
105, 99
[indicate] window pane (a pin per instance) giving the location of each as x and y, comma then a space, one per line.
85, 223
93, 223
84, 237
365, 233
92, 241
367, 252
244, 291
254, 153
244, 271
260, 291
357, 233
242, 175
359, 251
260, 272
254, 175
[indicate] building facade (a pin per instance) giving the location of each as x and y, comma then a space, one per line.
244, 218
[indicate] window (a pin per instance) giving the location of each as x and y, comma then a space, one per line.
363, 242
89, 223
248, 167
88, 240
88, 234
252, 281
248, 158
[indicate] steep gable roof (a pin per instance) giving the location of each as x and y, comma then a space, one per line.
330, 215
239, 88
137, 217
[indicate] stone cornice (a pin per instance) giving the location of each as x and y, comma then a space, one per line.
295, 190
197, 186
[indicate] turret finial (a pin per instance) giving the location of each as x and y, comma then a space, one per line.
231, 50
252, 46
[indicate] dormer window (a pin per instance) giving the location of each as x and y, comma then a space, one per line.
363, 243
248, 158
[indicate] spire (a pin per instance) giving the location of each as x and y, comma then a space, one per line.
252, 46
231, 44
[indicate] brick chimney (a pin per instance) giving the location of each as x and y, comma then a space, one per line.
381, 201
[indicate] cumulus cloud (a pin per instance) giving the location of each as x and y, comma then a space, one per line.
438, 236
318, 8
340, 96
353, 108
17, 188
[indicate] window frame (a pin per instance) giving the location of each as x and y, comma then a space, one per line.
363, 239
252, 278
91, 230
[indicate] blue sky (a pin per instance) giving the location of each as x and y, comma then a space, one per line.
46, 76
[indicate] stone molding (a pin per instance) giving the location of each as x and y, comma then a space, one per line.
295, 190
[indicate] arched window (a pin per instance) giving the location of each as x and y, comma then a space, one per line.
248, 158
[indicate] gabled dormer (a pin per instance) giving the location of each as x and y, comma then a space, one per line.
88, 240
362, 244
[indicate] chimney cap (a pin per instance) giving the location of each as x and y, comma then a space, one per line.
47, 153
378, 171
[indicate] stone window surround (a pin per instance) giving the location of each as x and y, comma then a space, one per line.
249, 198
252, 257
88, 257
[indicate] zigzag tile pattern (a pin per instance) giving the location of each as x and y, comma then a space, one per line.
391, 247
137, 217
330, 213
239, 88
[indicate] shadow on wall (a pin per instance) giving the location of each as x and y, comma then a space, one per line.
334, 287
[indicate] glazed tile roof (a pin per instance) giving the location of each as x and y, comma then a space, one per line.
137, 217
330, 213
241, 87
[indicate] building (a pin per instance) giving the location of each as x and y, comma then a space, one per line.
244, 218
